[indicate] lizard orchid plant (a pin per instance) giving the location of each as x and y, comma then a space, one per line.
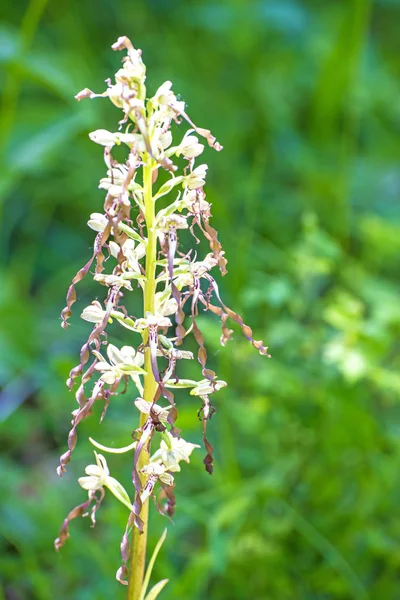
137, 250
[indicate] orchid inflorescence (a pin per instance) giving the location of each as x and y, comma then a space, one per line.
142, 247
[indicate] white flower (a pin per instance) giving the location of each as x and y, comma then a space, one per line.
189, 147
204, 266
122, 362
98, 222
205, 387
164, 94
181, 354
195, 202
102, 137
160, 140
106, 138
113, 280
123, 95
154, 469
165, 101
196, 179
174, 220
164, 304
165, 139
186, 272
118, 280
115, 183
114, 249
115, 176
115, 93
133, 253
133, 70
132, 140
160, 412
152, 321
155, 472
98, 476
172, 451
93, 313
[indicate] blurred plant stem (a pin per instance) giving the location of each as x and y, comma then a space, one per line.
139, 540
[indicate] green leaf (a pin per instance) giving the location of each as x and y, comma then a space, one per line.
119, 491
129, 369
182, 383
131, 233
166, 212
155, 590
113, 450
168, 186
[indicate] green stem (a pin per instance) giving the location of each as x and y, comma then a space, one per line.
139, 541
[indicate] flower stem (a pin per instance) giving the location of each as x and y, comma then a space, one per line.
139, 540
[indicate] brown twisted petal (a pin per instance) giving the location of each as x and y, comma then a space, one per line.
198, 336
153, 346
201, 217
215, 245
79, 415
133, 163
161, 390
179, 315
112, 391
167, 494
122, 572
170, 370
202, 352
96, 506
205, 413
246, 330
149, 485
206, 133
226, 334
195, 221
208, 460
146, 434
84, 355
80, 392
212, 236
100, 240
78, 511
172, 245
173, 413
94, 338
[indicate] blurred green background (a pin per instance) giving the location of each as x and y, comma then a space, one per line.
304, 96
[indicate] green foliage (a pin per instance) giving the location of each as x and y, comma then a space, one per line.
304, 500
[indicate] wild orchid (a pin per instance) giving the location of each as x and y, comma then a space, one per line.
137, 250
